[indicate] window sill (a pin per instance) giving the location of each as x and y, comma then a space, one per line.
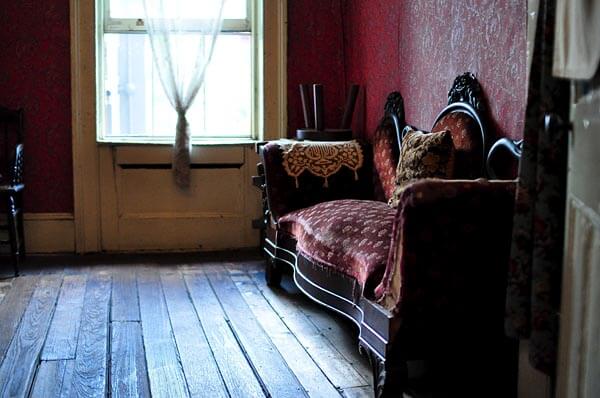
203, 142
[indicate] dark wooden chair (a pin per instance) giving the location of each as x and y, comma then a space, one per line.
11, 182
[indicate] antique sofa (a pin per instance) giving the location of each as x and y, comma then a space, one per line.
423, 281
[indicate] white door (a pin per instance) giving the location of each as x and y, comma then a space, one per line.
579, 351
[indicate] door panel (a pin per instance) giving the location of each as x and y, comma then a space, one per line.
149, 154
143, 209
147, 192
579, 351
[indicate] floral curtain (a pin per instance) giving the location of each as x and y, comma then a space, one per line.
182, 35
534, 279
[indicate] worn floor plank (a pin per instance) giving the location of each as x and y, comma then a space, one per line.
64, 329
90, 370
255, 352
12, 308
128, 363
124, 304
199, 366
4, 288
359, 392
340, 331
20, 362
49, 378
237, 373
67, 386
306, 370
162, 359
267, 361
341, 373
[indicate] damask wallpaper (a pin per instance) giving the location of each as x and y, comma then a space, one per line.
419, 47
35, 75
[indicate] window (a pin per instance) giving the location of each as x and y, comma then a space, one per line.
132, 106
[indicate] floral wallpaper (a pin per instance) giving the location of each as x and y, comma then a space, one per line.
418, 47
35, 76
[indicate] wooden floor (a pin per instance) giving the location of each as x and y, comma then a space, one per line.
199, 327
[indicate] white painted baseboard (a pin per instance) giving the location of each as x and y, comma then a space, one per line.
49, 233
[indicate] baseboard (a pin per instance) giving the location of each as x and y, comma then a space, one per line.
49, 233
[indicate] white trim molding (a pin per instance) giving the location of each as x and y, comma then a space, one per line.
275, 69
49, 233
86, 200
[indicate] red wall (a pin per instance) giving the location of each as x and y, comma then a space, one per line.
418, 48
35, 76
315, 55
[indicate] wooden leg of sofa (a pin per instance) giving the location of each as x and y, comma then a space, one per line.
389, 376
272, 272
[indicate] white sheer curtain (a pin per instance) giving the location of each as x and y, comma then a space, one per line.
182, 35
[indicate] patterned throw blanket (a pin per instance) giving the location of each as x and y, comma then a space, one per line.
322, 159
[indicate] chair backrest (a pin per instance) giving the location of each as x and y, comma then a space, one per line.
11, 146
463, 118
17, 166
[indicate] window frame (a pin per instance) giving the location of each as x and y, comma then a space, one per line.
91, 158
252, 25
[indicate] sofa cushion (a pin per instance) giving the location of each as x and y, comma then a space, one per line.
423, 156
466, 137
351, 236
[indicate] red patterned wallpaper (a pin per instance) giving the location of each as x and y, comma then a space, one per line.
418, 47
315, 55
35, 76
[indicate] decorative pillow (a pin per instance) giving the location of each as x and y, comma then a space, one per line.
423, 155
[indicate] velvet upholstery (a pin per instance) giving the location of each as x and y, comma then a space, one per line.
350, 236
385, 159
450, 250
466, 138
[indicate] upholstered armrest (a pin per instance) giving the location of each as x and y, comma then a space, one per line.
301, 174
450, 250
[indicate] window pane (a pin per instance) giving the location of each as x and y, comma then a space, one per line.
135, 104
228, 87
234, 9
126, 9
